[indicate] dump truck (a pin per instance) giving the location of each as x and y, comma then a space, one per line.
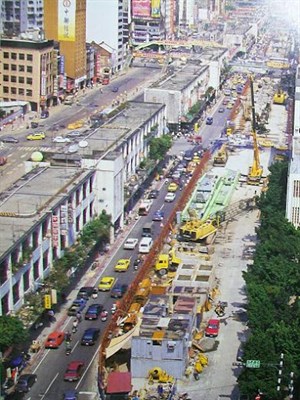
167, 263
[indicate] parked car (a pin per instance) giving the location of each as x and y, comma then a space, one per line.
9, 139
212, 329
90, 336
74, 134
85, 292
25, 382
130, 244
54, 340
118, 291
106, 283
170, 197
209, 120
93, 311
74, 371
172, 187
122, 265
78, 305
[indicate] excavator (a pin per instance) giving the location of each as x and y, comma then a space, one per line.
197, 230
279, 97
220, 159
256, 170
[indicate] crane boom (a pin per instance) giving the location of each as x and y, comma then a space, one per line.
255, 171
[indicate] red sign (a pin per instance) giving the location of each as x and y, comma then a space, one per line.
141, 8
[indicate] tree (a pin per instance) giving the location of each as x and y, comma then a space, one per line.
12, 332
159, 147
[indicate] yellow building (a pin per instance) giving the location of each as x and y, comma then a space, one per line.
26, 71
65, 22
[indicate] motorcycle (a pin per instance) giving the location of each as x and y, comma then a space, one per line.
68, 350
113, 308
136, 264
95, 293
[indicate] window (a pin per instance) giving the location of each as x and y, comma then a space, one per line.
5, 78
29, 57
21, 92
5, 67
21, 79
5, 54
13, 79
5, 89
29, 69
21, 68
28, 92
29, 81
13, 67
13, 56
13, 90
21, 56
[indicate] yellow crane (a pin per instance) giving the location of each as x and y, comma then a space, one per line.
256, 170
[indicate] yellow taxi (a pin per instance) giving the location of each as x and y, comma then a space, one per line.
36, 136
196, 159
229, 106
76, 125
106, 283
172, 187
122, 265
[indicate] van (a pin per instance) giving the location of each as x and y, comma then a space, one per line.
145, 245
147, 230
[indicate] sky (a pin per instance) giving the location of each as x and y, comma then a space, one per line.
99, 21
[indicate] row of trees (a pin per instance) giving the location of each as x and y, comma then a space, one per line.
273, 288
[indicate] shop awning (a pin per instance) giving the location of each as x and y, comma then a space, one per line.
118, 382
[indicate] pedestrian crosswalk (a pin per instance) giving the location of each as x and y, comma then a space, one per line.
33, 148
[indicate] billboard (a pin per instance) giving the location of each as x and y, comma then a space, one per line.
155, 8
141, 8
66, 20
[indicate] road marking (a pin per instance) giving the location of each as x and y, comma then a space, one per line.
51, 383
88, 367
76, 344
43, 358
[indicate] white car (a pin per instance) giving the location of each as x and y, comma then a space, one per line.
61, 139
170, 197
130, 244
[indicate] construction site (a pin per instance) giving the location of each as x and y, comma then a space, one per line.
160, 324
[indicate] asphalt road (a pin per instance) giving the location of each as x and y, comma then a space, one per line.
52, 365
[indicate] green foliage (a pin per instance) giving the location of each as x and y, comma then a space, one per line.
12, 332
2, 113
159, 147
273, 289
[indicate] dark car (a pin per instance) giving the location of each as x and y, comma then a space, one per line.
115, 89
34, 124
158, 216
85, 292
240, 353
90, 336
118, 291
70, 395
93, 311
9, 139
74, 371
153, 194
25, 382
77, 306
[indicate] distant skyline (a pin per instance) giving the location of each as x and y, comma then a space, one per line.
99, 17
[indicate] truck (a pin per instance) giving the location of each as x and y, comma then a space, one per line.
167, 263
145, 206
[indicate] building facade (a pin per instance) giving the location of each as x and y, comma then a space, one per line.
27, 71
70, 32
109, 23
20, 16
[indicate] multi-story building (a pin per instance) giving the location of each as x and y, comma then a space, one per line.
187, 14
20, 16
70, 32
26, 68
152, 20
109, 22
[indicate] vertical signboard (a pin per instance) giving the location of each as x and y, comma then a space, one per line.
155, 8
43, 75
63, 220
66, 20
47, 302
54, 231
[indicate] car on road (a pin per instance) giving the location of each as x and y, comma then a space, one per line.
153, 194
229, 106
85, 292
170, 197
74, 134
158, 215
106, 283
70, 395
61, 139
209, 120
130, 244
172, 187
221, 109
118, 290
54, 340
74, 371
90, 336
240, 353
3, 160
78, 305
36, 136
122, 265
93, 311
25, 382
9, 139
212, 329
115, 89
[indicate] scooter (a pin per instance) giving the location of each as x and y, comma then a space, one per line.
95, 293
104, 316
136, 264
68, 350
113, 308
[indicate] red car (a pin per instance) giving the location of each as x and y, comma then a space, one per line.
74, 371
212, 329
54, 340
